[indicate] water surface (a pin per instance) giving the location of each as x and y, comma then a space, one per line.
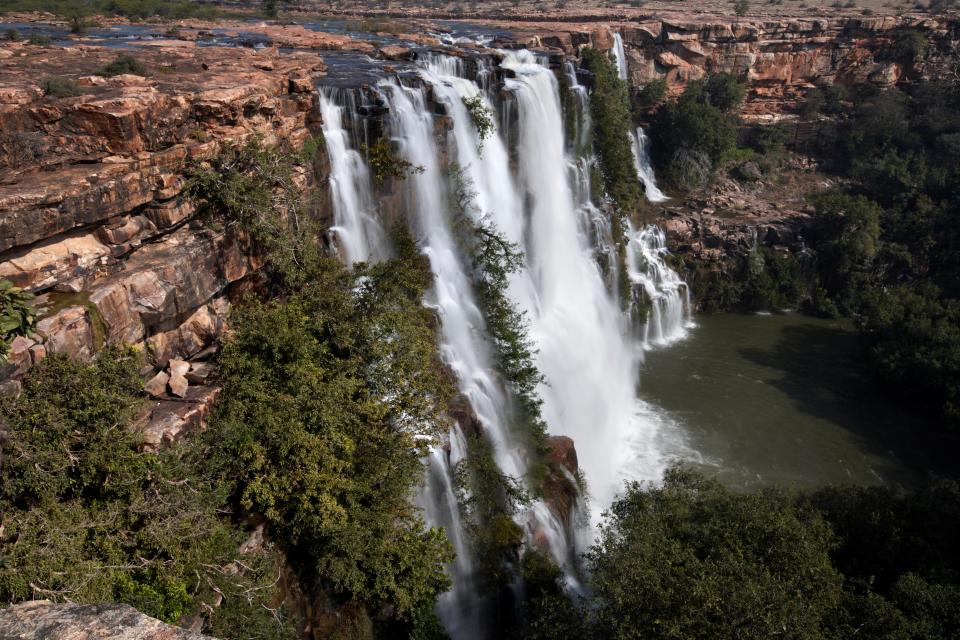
783, 399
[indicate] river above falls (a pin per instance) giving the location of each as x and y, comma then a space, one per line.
782, 399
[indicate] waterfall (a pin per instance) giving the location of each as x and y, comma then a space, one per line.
670, 312
357, 233
620, 56
589, 357
536, 190
638, 141
641, 159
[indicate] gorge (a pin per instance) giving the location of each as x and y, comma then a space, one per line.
134, 210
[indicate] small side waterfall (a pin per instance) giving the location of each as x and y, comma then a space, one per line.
641, 159
638, 141
357, 233
655, 284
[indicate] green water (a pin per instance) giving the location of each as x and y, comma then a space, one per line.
782, 399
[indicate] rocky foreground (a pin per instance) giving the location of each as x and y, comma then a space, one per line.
44, 620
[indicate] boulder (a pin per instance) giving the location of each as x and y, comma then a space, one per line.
45, 620
157, 385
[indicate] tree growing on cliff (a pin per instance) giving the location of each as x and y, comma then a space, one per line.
612, 131
692, 134
326, 397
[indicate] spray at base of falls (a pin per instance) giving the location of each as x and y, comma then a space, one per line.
589, 352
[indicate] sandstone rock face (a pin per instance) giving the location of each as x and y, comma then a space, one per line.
44, 620
780, 59
92, 212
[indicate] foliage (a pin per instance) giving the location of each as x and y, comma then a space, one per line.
741, 7
17, 316
386, 164
89, 517
493, 259
325, 396
910, 46
250, 188
133, 9
39, 40
694, 560
481, 116
612, 131
889, 251
124, 63
12, 35
692, 134
60, 87
652, 93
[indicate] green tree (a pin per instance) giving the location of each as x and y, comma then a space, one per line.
612, 131
692, 559
325, 395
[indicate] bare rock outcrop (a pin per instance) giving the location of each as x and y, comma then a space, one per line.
45, 620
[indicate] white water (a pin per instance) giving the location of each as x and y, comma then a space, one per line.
638, 141
639, 144
357, 232
589, 352
670, 313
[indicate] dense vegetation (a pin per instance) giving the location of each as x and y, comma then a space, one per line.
612, 129
89, 517
693, 560
330, 391
691, 135
133, 9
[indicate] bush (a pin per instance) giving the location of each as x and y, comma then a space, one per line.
124, 63
60, 87
652, 93
89, 517
386, 164
694, 560
17, 317
325, 395
741, 7
12, 35
38, 40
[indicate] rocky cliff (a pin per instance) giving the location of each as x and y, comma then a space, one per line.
779, 59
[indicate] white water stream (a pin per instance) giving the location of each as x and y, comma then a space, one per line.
537, 193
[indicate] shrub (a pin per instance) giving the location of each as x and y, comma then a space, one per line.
89, 517
481, 116
741, 7
124, 63
17, 317
386, 164
12, 35
38, 40
60, 87
652, 93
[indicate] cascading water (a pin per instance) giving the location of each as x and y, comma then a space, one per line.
587, 354
669, 312
539, 197
641, 159
357, 233
638, 141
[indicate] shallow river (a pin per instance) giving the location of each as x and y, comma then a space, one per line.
781, 399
